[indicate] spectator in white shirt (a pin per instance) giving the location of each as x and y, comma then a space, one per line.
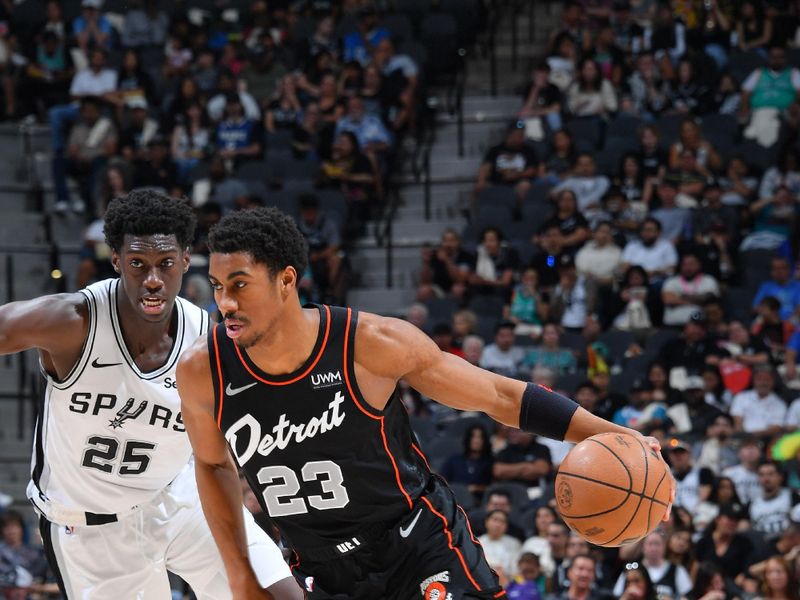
745, 474
685, 293
655, 255
588, 187
599, 258
503, 356
96, 81
759, 411
501, 549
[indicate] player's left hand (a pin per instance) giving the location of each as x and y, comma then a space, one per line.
656, 445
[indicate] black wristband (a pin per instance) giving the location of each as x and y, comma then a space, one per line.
544, 412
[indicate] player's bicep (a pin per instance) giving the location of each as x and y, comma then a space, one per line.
51, 323
195, 388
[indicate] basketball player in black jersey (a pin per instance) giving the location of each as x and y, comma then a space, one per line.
303, 400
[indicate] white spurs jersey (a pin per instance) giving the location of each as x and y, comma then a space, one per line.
110, 437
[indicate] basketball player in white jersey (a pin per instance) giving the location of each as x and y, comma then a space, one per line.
112, 472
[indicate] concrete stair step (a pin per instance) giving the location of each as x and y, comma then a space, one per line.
385, 301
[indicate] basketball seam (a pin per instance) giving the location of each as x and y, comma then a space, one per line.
641, 496
611, 485
622, 462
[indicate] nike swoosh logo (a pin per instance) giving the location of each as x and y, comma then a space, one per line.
99, 365
233, 391
406, 531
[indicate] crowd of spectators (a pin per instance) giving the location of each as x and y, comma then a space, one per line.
229, 104
633, 243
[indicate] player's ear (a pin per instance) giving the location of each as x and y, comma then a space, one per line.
288, 280
115, 260
186, 260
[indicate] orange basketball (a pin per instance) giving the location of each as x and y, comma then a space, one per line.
612, 489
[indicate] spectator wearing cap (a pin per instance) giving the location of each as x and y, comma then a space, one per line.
588, 187
91, 28
670, 580
674, 219
745, 474
694, 349
759, 411
511, 163
693, 482
542, 99
156, 168
360, 44
141, 129
550, 354
693, 415
781, 286
770, 510
238, 138
723, 545
524, 460
503, 356
684, 294
572, 302
572, 225
442, 335
145, 25
92, 141
655, 254
718, 449
492, 272
641, 414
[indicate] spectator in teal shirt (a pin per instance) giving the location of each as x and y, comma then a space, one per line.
527, 308
550, 354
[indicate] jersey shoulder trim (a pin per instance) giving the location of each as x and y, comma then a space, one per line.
86, 349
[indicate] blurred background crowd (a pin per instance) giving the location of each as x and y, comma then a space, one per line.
631, 238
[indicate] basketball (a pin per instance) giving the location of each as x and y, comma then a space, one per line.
612, 489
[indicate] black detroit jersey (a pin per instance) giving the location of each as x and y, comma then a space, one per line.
325, 465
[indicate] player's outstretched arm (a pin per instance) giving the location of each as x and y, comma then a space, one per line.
217, 478
57, 325
394, 349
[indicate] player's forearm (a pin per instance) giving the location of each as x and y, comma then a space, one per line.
584, 424
221, 497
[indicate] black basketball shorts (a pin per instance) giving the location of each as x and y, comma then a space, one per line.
430, 554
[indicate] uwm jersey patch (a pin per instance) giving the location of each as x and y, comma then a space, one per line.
323, 462
110, 436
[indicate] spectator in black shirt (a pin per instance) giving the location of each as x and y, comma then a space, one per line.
445, 269
524, 460
652, 156
694, 349
511, 163
572, 225
723, 545
688, 93
157, 169
284, 111
541, 98
473, 466
306, 134
136, 136
545, 262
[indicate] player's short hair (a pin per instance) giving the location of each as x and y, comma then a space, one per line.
148, 212
270, 236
